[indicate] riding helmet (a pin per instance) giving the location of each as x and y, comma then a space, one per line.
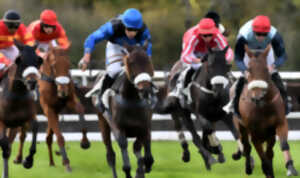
261, 24
48, 17
132, 18
11, 16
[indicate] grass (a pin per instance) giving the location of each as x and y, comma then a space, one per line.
167, 155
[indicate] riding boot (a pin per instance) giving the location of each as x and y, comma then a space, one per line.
107, 83
232, 106
279, 84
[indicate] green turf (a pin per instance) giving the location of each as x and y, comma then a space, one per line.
167, 155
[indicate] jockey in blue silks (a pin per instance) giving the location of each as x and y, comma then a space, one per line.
127, 28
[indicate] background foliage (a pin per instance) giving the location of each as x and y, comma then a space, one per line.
166, 20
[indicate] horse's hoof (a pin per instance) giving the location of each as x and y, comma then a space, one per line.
186, 156
68, 168
221, 158
250, 167
28, 163
18, 160
237, 156
85, 145
291, 171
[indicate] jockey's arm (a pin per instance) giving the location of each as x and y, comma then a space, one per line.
239, 53
102, 33
279, 50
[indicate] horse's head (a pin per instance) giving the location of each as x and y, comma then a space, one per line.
57, 65
214, 73
28, 64
139, 70
258, 77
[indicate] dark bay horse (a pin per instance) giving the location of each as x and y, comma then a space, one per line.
207, 94
57, 91
130, 113
17, 106
262, 116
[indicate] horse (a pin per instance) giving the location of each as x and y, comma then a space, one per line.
206, 94
17, 106
130, 112
262, 116
57, 91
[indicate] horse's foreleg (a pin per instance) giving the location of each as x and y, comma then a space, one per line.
19, 157
28, 162
181, 136
123, 144
77, 107
49, 141
249, 164
137, 147
208, 159
148, 158
54, 125
4, 143
110, 154
238, 154
212, 143
282, 132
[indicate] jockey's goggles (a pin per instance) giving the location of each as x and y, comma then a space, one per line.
132, 29
261, 34
48, 26
12, 25
207, 35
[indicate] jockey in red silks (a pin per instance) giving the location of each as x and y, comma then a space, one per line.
48, 30
11, 29
196, 42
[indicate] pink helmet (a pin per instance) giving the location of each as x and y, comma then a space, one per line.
48, 17
207, 26
261, 24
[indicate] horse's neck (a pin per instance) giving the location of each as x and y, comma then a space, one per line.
46, 69
129, 91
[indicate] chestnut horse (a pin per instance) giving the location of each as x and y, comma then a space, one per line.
262, 116
17, 106
57, 91
130, 113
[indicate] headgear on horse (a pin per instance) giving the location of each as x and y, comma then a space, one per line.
132, 18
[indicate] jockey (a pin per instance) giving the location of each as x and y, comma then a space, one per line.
258, 34
11, 28
127, 28
217, 19
48, 30
196, 42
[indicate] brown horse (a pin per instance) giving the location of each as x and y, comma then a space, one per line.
262, 116
17, 106
129, 113
57, 91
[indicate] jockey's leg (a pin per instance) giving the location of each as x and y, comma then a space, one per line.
279, 84
232, 106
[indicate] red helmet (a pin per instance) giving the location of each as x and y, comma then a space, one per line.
207, 26
261, 24
48, 17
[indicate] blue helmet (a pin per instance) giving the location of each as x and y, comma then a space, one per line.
132, 18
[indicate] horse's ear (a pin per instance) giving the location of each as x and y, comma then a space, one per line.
36, 44
248, 51
39, 61
146, 44
266, 51
225, 49
18, 61
19, 45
